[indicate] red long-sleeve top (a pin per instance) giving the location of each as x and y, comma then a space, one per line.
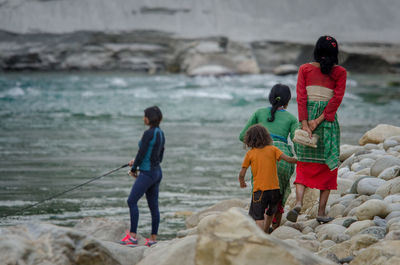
310, 75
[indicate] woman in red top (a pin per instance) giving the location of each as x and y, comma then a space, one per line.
320, 90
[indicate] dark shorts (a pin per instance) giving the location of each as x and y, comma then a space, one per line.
262, 200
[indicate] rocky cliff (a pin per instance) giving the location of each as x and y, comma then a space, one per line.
194, 37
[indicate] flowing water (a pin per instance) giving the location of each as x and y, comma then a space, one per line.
58, 130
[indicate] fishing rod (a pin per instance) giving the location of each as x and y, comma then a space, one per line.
66, 191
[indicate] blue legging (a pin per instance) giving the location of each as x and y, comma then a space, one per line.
147, 182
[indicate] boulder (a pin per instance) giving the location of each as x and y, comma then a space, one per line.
368, 186
347, 150
194, 219
355, 203
336, 210
186, 232
343, 185
395, 198
376, 231
383, 252
326, 244
339, 251
356, 227
371, 208
383, 163
393, 235
364, 172
354, 186
177, 251
50, 244
379, 134
362, 241
232, 237
311, 245
379, 221
390, 173
332, 232
392, 215
388, 143
286, 232
103, 228
393, 227
390, 187
364, 163
348, 222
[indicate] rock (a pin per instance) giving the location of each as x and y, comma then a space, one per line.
194, 219
232, 237
216, 70
298, 225
343, 171
371, 147
311, 245
347, 150
103, 228
354, 185
379, 221
346, 259
371, 208
395, 198
343, 185
340, 250
311, 198
177, 251
362, 241
364, 172
392, 215
384, 163
394, 227
368, 186
285, 232
186, 232
393, 235
347, 222
356, 227
310, 236
331, 231
390, 143
378, 232
384, 252
390, 187
286, 69
307, 230
394, 207
326, 244
390, 173
311, 223
392, 221
379, 134
364, 163
336, 210
355, 203
348, 162
345, 200
50, 244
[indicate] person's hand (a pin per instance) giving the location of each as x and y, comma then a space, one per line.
308, 130
313, 124
133, 174
131, 162
242, 183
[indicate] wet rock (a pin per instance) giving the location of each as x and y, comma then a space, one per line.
390, 187
379, 134
371, 208
384, 252
356, 227
383, 163
368, 186
378, 232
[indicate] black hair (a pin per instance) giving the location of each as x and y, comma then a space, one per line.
326, 53
278, 97
257, 136
154, 115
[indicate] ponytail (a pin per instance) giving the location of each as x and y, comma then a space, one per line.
278, 97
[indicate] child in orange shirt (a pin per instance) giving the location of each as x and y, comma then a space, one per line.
262, 158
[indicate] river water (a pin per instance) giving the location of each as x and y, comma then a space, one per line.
58, 130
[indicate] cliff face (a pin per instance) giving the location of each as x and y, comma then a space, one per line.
181, 36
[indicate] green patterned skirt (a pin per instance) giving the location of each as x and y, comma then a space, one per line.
327, 151
285, 170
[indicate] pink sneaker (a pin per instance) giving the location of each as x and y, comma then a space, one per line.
129, 241
149, 242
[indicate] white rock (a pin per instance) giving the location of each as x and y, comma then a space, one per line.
336, 210
379, 133
390, 173
368, 186
356, 227
347, 150
330, 231
384, 163
395, 198
390, 143
342, 171
371, 208
364, 172
390, 187
343, 185
286, 232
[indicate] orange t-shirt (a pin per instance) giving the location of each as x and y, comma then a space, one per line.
263, 166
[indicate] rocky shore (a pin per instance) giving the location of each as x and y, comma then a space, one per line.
365, 231
149, 51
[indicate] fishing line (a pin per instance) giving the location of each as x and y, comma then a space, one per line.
66, 191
